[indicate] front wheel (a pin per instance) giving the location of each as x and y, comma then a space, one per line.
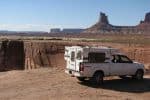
139, 75
98, 78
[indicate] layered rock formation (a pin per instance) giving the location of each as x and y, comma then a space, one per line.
12, 55
20, 55
43, 54
103, 26
147, 18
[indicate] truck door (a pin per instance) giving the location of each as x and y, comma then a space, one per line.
128, 66
115, 66
121, 65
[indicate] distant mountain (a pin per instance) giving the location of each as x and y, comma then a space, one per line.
19, 32
103, 26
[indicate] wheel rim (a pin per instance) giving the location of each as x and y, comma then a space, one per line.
139, 75
98, 78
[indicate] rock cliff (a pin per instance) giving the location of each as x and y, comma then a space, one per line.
103, 26
21, 55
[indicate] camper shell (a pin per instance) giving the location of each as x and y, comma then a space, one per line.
74, 55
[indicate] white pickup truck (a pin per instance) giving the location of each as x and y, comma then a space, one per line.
97, 62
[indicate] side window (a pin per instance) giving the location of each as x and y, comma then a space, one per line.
72, 56
79, 55
115, 59
96, 57
121, 59
125, 59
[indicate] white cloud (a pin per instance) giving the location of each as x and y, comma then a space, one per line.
25, 27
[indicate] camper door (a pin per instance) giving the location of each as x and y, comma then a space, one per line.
75, 58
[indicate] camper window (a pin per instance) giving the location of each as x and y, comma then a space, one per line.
72, 56
96, 57
79, 55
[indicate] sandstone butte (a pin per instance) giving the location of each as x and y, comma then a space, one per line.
103, 26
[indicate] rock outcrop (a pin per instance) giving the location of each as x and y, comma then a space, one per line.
103, 19
103, 26
145, 25
20, 55
147, 18
43, 54
12, 55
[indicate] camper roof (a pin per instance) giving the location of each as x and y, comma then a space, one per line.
93, 47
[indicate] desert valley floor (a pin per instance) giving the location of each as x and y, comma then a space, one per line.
53, 83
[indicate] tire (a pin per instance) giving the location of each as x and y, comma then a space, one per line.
82, 79
98, 78
139, 75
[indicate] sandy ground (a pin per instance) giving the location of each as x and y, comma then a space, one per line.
53, 83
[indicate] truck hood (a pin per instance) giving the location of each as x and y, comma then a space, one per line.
139, 64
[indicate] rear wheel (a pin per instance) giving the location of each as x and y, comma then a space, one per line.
139, 75
98, 78
82, 79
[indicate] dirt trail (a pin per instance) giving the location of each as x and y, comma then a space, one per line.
53, 83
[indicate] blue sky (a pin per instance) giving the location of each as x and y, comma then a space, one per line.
41, 15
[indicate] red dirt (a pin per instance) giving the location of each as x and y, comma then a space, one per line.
53, 83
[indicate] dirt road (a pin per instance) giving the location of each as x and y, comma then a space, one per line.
53, 83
